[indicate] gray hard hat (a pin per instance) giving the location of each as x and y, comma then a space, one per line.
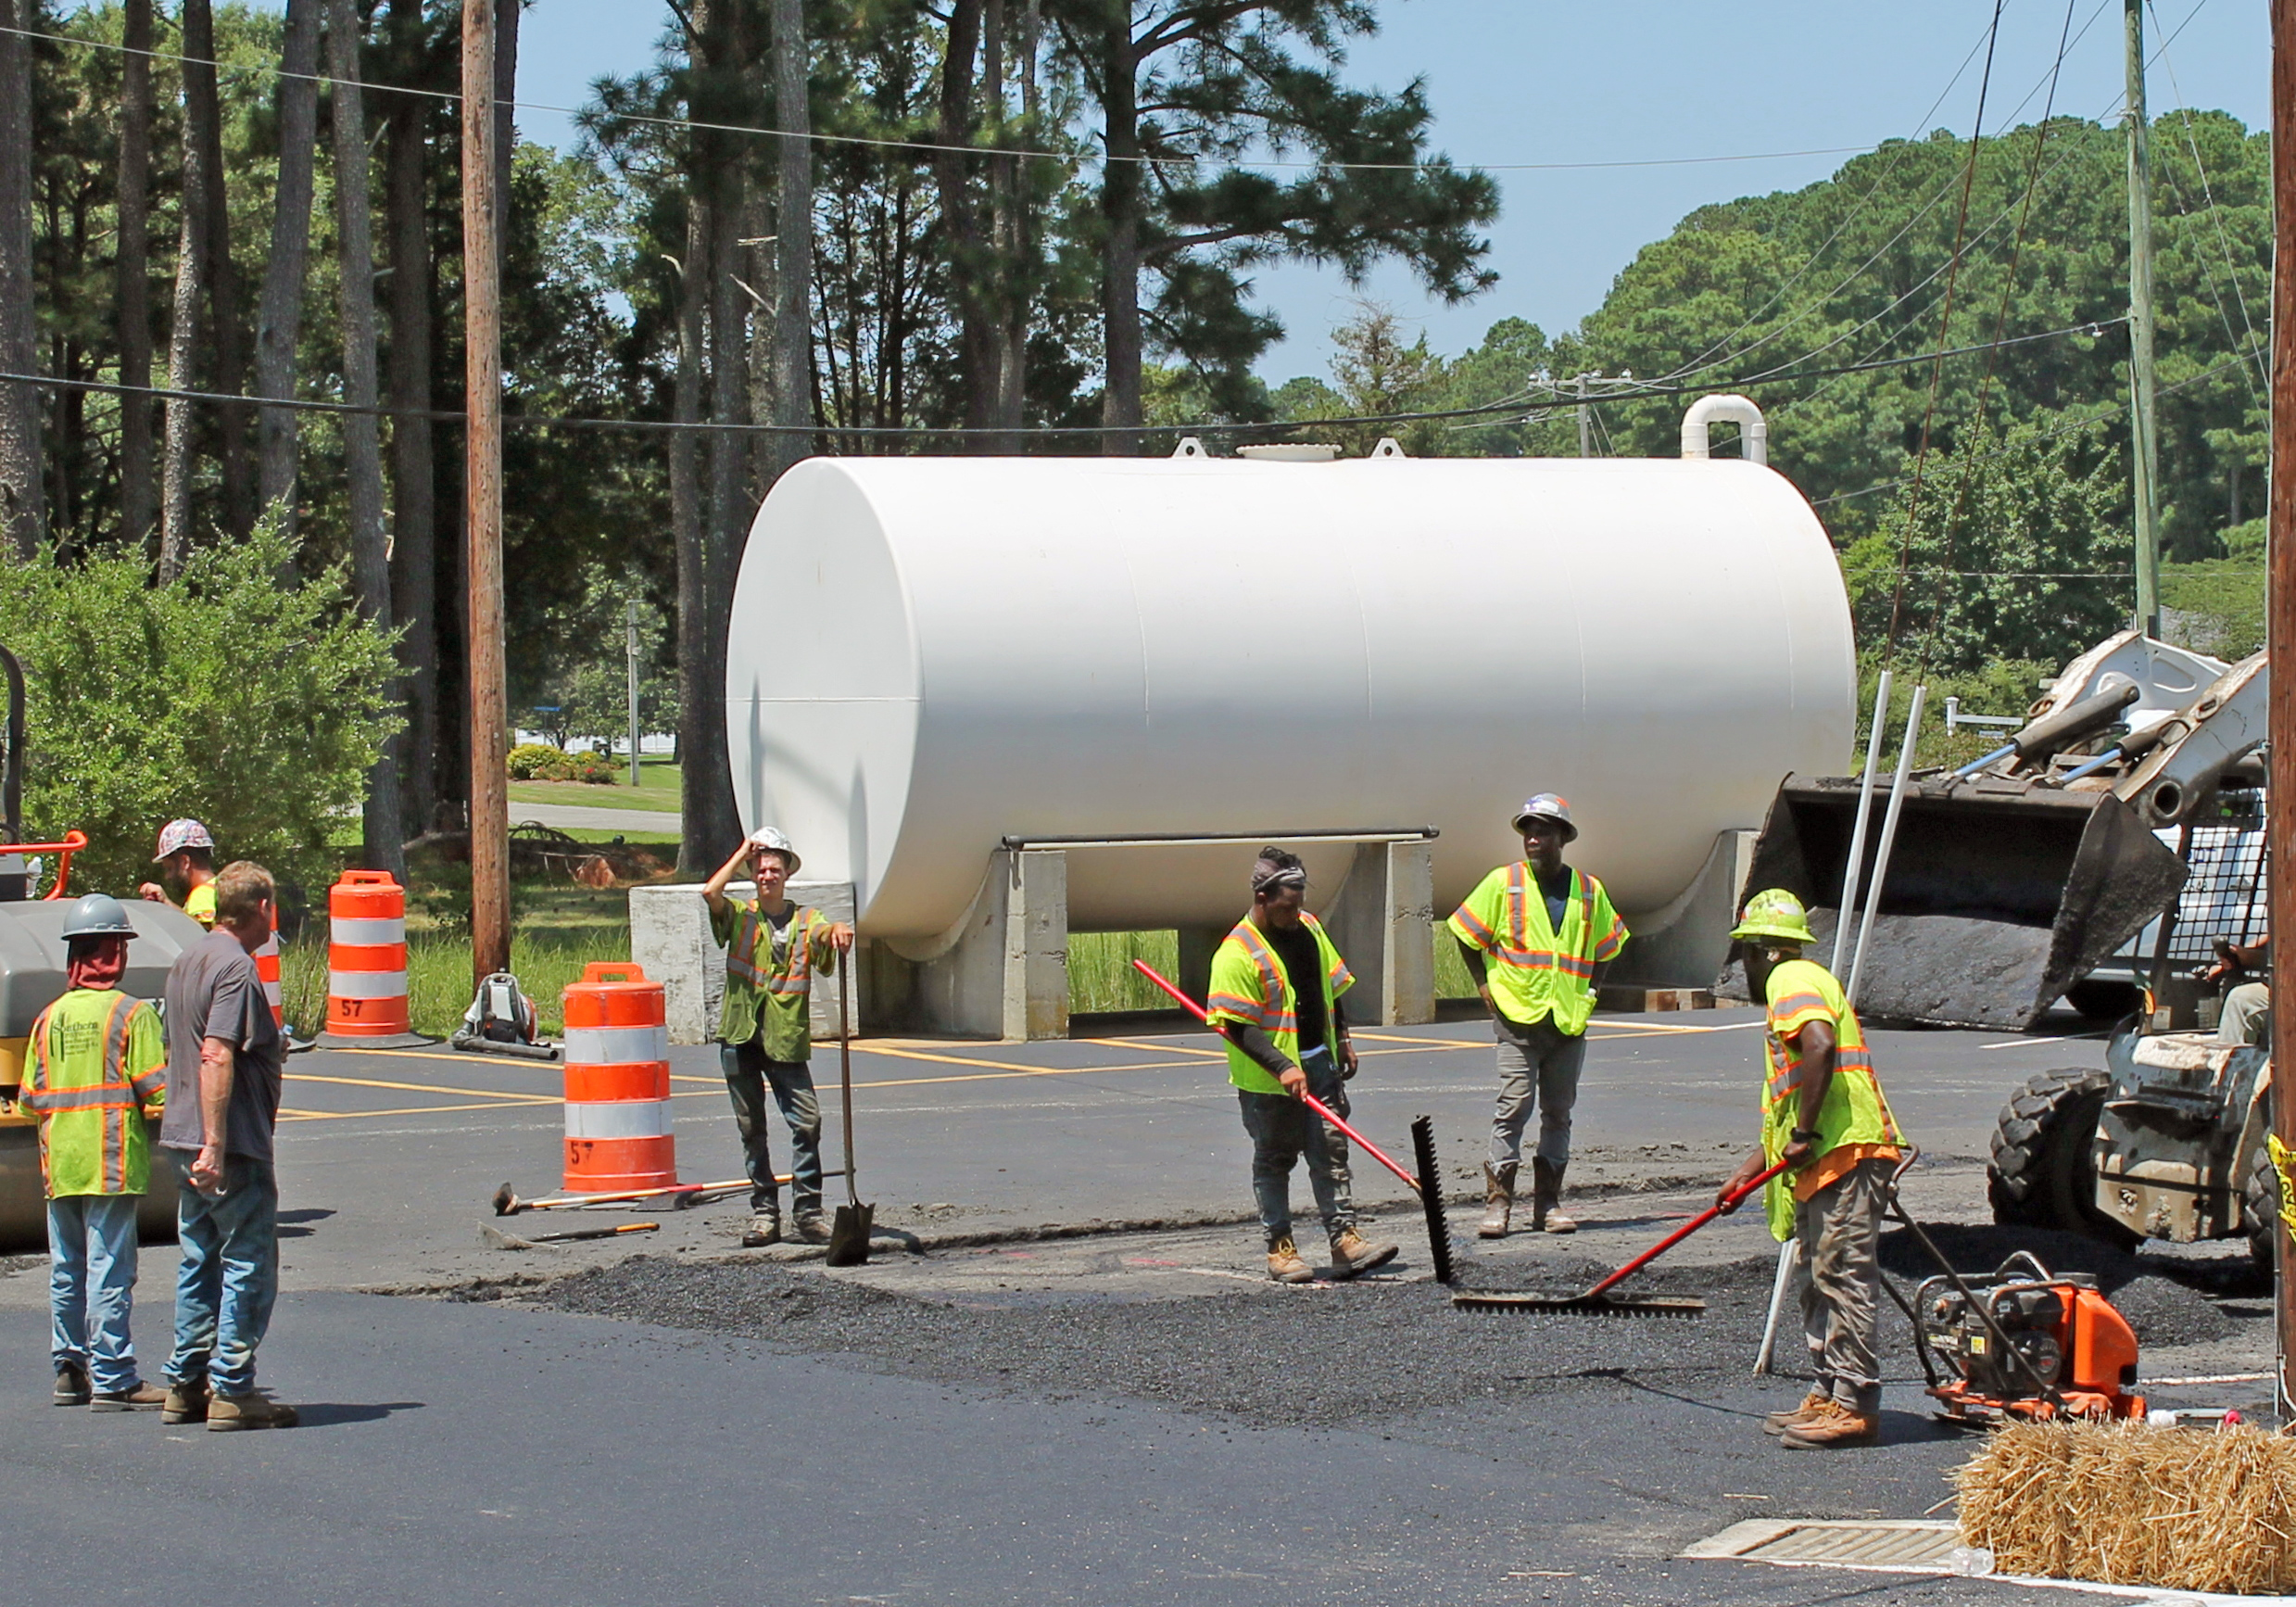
98, 915
1547, 806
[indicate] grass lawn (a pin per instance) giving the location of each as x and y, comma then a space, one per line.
658, 789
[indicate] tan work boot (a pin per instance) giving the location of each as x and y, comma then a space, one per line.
1833, 1426
1285, 1264
235, 1413
71, 1385
1352, 1253
1812, 1404
1498, 1185
1546, 1213
765, 1228
140, 1398
185, 1402
811, 1227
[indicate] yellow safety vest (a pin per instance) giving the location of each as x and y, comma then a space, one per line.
199, 903
1536, 972
1249, 986
768, 993
1856, 1112
98, 1063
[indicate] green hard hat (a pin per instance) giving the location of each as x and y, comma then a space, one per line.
1774, 913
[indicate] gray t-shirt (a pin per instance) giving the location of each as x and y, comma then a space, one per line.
213, 991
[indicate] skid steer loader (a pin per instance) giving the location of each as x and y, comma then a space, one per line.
2013, 877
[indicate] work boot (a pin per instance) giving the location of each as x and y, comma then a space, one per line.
810, 1226
1546, 1213
137, 1396
186, 1403
1285, 1264
765, 1228
1352, 1253
71, 1385
1812, 1406
1832, 1425
235, 1413
1498, 1185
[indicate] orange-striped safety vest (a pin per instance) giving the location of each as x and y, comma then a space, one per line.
99, 1062
1249, 986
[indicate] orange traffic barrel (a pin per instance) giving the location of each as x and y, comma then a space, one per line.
366, 956
267, 970
617, 1049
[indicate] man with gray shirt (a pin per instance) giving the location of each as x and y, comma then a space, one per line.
223, 1077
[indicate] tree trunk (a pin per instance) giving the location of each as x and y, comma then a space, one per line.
793, 212
414, 557
203, 127
972, 275
137, 500
1122, 203
1015, 236
383, 830
194, 267
21, 502
279, 317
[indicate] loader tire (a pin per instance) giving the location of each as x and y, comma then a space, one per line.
2260, 1211
2044, 1169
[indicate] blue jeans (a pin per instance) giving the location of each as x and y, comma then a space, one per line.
1283, 1130
230, 1277
91, 1285
748, 1074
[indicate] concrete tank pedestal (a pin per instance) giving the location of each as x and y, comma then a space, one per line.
670, 938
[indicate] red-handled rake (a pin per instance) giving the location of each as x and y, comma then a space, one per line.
1430, 1192
1598, 1301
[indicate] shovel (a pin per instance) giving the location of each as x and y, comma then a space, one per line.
849, 1233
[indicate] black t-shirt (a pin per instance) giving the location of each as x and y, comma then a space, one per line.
1303, 968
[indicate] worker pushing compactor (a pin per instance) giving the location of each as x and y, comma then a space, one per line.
1539, 935
1824, 1115
1276, 987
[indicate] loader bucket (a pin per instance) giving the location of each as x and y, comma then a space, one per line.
1999, 894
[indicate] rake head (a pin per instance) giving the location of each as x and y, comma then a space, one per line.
1430, 1197
1580, 1305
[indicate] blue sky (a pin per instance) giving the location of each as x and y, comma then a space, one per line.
1535, 81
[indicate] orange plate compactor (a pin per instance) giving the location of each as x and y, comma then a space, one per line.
2026, 1343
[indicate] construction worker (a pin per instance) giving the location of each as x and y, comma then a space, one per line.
96, 1065
186, 857
774, 948
2247, 1017
1276, 986
1824, 1115
1539, 935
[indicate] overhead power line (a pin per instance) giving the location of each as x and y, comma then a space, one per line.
449, 97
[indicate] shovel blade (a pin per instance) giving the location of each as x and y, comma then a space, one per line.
848, 1235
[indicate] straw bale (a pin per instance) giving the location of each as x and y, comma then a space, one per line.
2129, 1505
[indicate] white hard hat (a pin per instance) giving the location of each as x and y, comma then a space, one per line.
773, 840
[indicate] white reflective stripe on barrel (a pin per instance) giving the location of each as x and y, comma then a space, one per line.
615, 1045
619, 1119
270, 995
358, 933
366, 984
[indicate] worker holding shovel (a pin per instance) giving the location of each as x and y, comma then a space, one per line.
774, 948
1824, 1116
1276, 987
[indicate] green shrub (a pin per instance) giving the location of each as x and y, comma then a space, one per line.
254, 707
596, 768
535, 761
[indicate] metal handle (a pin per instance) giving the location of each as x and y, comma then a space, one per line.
845, 1067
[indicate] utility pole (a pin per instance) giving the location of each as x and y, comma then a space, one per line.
2280, 616
2143, 429
1586, 421
629, 648
482, 313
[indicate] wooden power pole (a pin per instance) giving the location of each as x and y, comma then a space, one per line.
2143, 423
482, 311
2280, 614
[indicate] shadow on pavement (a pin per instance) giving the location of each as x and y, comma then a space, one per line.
334, 1414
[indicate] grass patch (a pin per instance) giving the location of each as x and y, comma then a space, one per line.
1100, 969
438, 975
588, 795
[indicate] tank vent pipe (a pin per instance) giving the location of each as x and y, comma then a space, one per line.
1754, 434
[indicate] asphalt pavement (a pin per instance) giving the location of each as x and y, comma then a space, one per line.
973, 1416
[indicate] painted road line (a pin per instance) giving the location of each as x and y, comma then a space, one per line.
287, 1114
420, 1087
2037, 1043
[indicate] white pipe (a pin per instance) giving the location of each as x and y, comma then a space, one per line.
1789, 1257
1847, 910
1754, 434
1889, 838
